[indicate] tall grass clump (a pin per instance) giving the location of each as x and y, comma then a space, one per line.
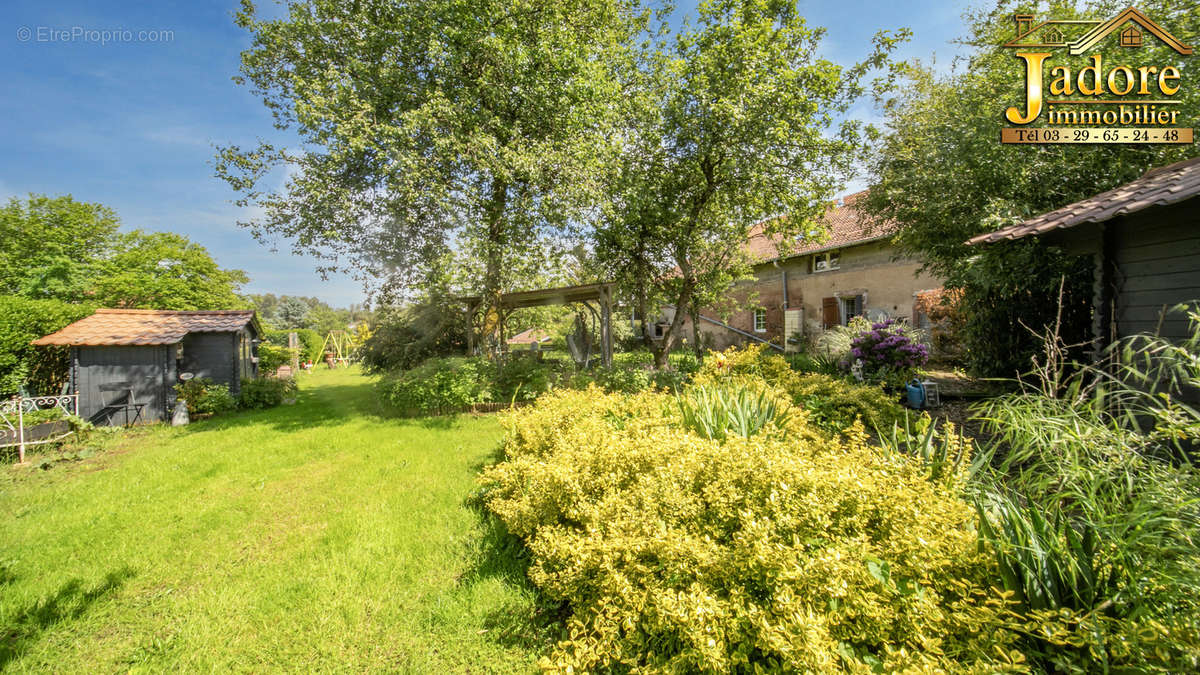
1091, 505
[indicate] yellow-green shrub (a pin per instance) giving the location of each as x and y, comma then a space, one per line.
790, 551
833, 404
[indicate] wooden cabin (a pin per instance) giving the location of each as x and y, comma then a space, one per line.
125, 363
1144, 241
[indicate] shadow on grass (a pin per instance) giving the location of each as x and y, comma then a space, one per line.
500, 555
70, 601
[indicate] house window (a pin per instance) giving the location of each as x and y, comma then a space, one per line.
824, 262
852, 306
760, 320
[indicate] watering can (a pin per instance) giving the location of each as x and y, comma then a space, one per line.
917, 397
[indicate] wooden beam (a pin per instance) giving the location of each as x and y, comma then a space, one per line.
606, 346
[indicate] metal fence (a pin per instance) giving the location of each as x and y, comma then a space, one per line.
22, 426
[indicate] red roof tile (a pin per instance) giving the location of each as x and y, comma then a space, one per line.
529, 337
145, 327
1158, 187
845, 224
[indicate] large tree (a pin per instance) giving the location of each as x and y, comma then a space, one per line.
429, 124
942, 174
730, 121
58, 248
52, 238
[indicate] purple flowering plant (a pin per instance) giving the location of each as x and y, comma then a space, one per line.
887, 352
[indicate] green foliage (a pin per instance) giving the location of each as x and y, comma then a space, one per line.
779, 552
42, 370
44, 240
941, 174
1093, 511
57, 248
730, 122
204, 397
265, 392
832, 403
490, 131
405, 337
164, 270
438, 386
271, 357
716, 413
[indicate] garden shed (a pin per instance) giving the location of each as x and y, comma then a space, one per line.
1144, 241
125, 363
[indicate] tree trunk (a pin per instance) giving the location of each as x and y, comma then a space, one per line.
493, 315
694, 315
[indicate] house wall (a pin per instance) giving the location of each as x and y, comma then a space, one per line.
888, 286
145, 368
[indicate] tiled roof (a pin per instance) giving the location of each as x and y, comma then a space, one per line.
1158, 187
145, 327
846, 225
529, 337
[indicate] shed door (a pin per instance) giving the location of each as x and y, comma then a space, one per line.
141, 367
829, 312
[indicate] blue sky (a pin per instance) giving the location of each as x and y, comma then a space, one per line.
132, 124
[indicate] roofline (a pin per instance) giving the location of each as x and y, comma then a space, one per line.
831, 247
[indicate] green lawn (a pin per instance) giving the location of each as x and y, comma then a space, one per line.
319, 536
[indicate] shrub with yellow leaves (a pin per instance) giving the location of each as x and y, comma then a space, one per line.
833, 404
788, 550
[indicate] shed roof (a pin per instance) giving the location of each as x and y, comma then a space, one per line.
107, 327
846, 224
528, 337
1157, 187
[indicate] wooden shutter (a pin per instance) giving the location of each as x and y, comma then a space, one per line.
829, 312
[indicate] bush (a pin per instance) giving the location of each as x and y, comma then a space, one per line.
310, 342
263, 392
43, 370
204, 397
795, 552
523, 378
271, 357
832, 403
407, 337
439, 386
888, 352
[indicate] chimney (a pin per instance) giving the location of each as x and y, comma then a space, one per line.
1024, 23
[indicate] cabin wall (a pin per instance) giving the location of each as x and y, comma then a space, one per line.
1156, 264
143, 367
212, 355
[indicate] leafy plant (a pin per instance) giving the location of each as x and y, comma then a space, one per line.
888, 351
777, 552
265, 392
204, 397
715, 412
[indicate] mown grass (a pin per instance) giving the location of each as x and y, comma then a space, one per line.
319, 536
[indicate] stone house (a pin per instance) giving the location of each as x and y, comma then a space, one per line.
799, 291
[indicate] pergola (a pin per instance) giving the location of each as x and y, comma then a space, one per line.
601, 294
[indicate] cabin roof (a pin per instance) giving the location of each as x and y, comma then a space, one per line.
109, 327
1157, 187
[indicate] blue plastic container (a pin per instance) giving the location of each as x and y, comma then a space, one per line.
916, 395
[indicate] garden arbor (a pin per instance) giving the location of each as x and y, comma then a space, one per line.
492, 326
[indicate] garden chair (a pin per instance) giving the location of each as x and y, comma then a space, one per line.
118, 397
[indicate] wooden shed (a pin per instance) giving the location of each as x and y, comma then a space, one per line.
1144, 241
133, 357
